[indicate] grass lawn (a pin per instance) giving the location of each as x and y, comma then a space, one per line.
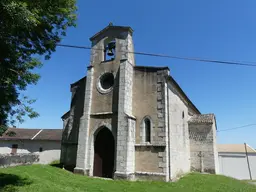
46, 178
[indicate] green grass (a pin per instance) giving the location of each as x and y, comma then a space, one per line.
55, 162
37, 178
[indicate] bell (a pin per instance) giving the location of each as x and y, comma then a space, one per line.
110, 52
111, 47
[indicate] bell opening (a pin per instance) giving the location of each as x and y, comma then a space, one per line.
109, 50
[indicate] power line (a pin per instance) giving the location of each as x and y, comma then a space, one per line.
169, 56
249, 125
175, 57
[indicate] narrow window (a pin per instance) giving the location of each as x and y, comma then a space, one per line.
183, 114
41, 149
147, 130
14, 149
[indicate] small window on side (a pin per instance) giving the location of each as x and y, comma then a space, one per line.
147, 125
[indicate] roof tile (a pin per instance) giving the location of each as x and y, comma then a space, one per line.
49, 134
28, 134
19, 133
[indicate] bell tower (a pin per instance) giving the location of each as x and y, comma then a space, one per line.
108, 101
112, 43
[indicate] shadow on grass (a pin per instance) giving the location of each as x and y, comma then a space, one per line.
58, 165
66, 167
10, 181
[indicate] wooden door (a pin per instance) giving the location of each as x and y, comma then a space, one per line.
104, 149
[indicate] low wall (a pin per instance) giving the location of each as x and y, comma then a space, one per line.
203, 151
8, 160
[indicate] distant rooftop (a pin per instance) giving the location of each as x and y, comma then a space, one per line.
32, 134
234, 148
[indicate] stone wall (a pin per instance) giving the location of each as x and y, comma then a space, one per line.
150, 159
50, 149
126, 124
162, 118
68, 155
124, 46
105, 102
9, 160
178, 135
203, 151
145, 102
149, 101
71, 125
161, 129
83, 137
147, 176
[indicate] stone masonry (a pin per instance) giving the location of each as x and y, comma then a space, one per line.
126, 131
82, 150
158, 133
203, 152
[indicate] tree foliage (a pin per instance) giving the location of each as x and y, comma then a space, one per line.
28, 28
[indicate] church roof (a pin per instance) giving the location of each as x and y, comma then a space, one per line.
77, 82
111, 27
65, 115
149, 68
170, 78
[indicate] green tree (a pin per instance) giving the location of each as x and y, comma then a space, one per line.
28, 28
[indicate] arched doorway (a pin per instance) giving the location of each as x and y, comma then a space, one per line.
104, 151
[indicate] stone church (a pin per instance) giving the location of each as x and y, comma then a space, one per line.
133, 122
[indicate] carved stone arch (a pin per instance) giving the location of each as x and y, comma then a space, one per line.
143, 130
98, 127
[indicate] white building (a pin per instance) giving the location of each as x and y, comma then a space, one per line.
46, 142
233, 161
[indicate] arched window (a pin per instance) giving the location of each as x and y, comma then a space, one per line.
147, 128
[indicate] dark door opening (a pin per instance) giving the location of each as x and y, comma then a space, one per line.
14, 149
104, 151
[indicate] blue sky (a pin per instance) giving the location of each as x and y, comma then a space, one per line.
223, 30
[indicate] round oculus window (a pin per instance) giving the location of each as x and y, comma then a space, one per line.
106, 82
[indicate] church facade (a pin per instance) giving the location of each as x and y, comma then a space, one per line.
133, 122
